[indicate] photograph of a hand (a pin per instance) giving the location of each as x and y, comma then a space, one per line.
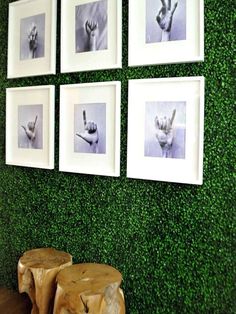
164, 134
90, 134
30, 130
33, 41
165, 17
91, 28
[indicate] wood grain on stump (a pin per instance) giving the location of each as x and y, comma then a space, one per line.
37, 271
89, 288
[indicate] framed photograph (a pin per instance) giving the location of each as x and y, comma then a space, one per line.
32, 38
30, 126
91, 36
165, 129
165, 31
90, 128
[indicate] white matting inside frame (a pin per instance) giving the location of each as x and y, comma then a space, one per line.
110, 57
188, 168
22, 16
96, 96
22, 106
189, 50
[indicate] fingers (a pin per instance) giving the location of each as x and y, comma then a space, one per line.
165, 124
157, 122
173, 117
158, 18
174, 7
94, 26
35, 120
24, 127
91, 127
160, 123
89, 138
84, 118
164, 3
169, 4
90, 26
84, 138
87, 27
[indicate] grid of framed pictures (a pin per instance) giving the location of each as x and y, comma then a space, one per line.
160, 32
167, 145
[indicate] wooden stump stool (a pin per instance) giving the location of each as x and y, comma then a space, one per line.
37, 271
89, 288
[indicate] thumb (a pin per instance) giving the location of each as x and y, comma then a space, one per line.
85, 137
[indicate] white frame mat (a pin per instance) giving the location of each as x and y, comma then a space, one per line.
156, 97
24, 105
108, 58
99, 102
144, 52
23, 15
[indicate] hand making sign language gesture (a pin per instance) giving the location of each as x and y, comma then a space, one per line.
90, 134
92, 30
165, 17
33, 41
165, 134
30, 131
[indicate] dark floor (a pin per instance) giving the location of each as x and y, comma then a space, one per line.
13, 303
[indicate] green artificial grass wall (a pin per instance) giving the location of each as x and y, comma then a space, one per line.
174, 244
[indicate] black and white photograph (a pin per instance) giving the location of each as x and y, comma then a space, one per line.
165, 129
91, 26
32, 37
165, 20
90, 128
30, 126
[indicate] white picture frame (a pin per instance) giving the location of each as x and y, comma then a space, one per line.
90, 128
32, 38
91, 35
30, 126
166, 119
155, 40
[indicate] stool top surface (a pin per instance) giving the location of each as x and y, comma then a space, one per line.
89, 277
46, 258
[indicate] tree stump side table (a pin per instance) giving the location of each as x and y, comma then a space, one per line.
89, 288
37, 271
